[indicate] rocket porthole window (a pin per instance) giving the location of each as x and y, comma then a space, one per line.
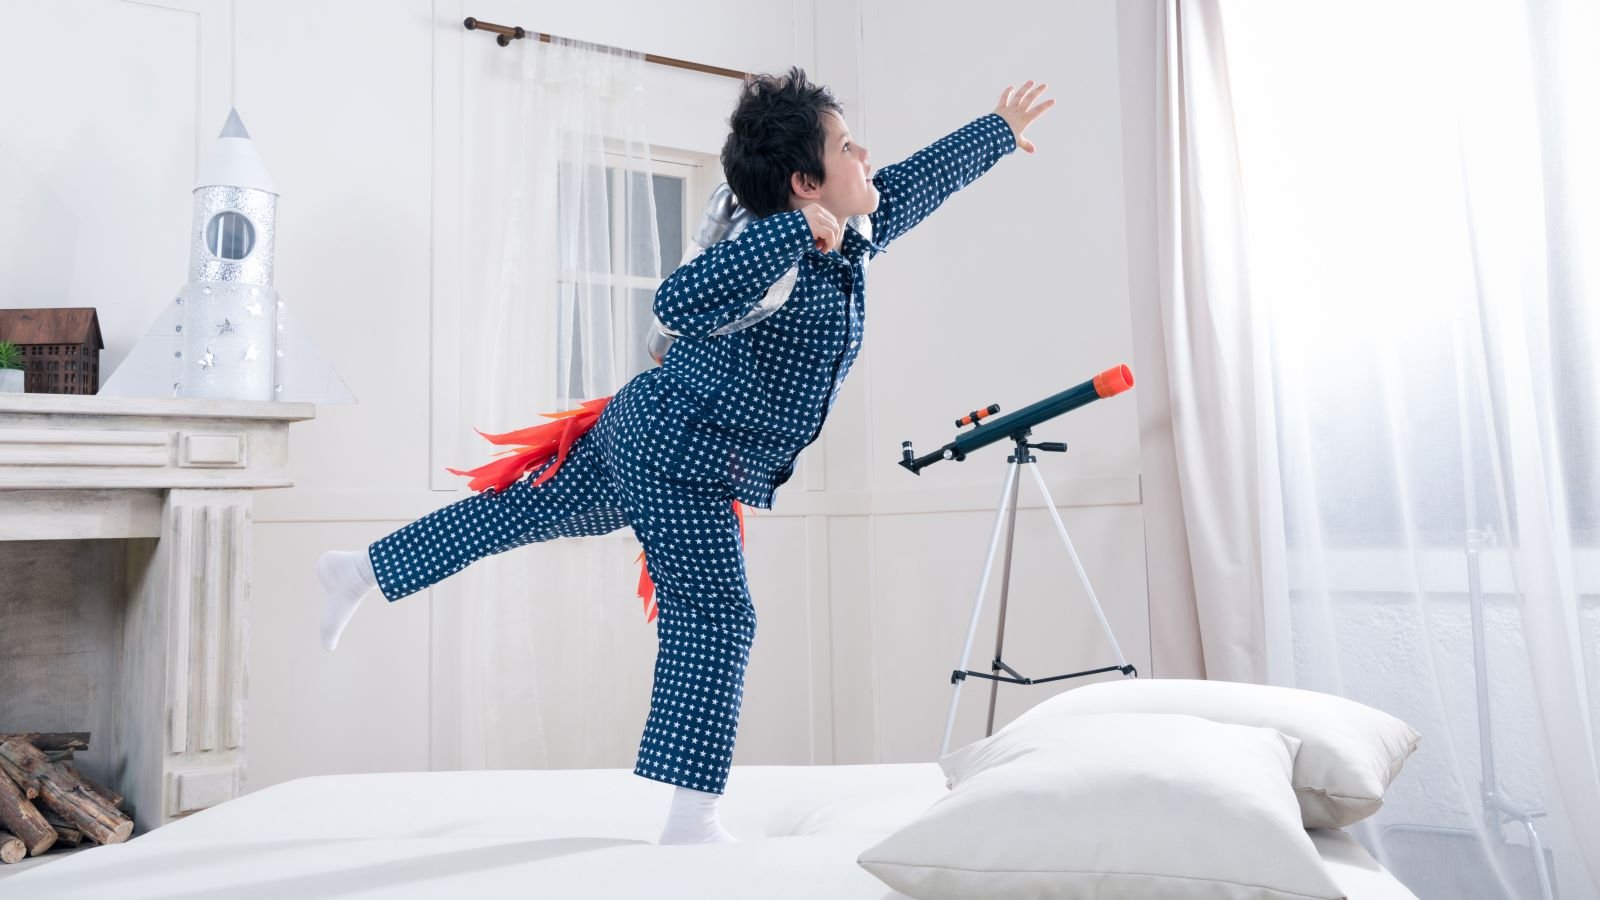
230, 235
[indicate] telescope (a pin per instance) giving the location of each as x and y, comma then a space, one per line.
1017, 425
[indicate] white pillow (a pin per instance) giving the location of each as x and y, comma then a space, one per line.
1350, 752
1149, 806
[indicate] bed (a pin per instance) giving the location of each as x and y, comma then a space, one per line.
542, 834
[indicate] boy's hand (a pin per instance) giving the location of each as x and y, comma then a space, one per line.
825, 229
1019, 110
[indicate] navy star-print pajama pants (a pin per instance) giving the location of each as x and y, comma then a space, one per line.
691, 543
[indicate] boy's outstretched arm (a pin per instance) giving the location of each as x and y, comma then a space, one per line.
910, 190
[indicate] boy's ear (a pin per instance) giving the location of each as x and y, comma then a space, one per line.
804, 186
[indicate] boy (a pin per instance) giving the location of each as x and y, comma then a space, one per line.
721, 420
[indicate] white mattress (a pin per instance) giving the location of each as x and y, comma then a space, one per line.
540, 834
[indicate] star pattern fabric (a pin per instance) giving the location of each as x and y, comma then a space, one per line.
722, 419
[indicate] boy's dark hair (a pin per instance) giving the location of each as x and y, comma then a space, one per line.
777, 130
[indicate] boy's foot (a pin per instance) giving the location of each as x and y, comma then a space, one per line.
346, 577
693, 819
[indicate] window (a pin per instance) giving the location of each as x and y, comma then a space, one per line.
677, 185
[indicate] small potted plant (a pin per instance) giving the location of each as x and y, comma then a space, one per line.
12, 367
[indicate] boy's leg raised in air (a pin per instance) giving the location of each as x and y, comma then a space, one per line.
580, 499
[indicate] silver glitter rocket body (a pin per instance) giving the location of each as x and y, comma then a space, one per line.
229, 321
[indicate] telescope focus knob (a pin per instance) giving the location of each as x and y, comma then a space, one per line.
977, 416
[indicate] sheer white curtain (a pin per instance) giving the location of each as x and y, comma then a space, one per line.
559, 240
1382, 305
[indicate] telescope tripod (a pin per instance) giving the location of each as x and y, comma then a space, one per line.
1007, 516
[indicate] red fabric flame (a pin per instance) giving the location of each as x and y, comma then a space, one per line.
534, 446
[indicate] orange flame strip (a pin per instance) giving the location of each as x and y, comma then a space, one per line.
647, 590
534, 447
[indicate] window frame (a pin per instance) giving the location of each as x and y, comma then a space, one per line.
699, 172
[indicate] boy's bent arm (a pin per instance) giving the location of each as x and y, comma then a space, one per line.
727, 281
909, 190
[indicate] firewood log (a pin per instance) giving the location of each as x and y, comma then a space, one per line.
22, 819
28, 787
12, 849
66, 835
52, 740
111, 798
79, 806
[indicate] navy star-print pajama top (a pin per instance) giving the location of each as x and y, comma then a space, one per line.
722, 419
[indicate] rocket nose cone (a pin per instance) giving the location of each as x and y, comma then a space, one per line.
234, 127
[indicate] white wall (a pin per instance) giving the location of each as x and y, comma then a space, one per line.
863, 574
1015, 289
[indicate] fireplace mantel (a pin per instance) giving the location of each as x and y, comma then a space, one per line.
181, 472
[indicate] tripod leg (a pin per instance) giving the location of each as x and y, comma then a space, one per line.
1005, 592
1050, 504
977, 608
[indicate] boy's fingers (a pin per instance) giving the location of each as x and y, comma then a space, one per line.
826, 232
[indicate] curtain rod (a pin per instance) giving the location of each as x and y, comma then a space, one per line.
509, 33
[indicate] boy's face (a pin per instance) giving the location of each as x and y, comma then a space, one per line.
847, 189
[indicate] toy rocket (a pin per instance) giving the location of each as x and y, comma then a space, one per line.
227, 335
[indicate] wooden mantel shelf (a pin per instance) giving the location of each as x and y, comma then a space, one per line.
56, 442
89, 405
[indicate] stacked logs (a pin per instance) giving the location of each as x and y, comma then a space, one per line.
45, 801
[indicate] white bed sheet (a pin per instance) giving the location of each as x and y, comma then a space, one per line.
540, 834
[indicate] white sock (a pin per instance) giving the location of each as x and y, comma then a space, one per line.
693, 819
346, 576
